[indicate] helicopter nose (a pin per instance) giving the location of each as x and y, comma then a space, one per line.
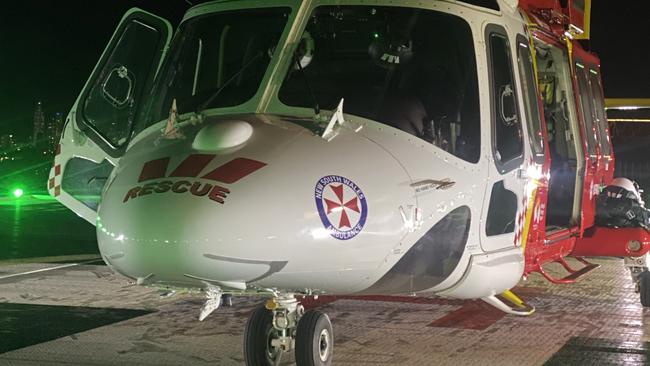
160, 226
197, 209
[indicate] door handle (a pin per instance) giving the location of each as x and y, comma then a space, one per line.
427, 184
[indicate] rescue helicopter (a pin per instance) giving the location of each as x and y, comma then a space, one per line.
314, 147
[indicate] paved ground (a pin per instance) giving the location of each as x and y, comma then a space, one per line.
39, 226
86, 315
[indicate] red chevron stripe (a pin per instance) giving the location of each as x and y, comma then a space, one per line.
234, 170
192, 165
154, 169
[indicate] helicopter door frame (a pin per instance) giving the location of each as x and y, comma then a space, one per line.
591, 136
595, 80
110, 71
574, 137
99, 125
505, 189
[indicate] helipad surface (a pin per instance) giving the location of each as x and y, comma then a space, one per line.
86, 315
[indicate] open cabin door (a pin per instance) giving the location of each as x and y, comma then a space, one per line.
504, 205
592, 134
100, 123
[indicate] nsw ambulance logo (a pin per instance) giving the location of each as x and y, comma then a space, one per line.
341, 205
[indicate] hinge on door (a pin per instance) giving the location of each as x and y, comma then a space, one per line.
521, 173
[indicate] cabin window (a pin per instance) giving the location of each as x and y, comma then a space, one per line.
502, 211
411, 69
599, 106
529, 88
84, 180
590, 129
506, 124
111, 102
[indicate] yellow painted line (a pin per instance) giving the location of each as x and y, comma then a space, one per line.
586, 22
528, 220
627, 103
636, 120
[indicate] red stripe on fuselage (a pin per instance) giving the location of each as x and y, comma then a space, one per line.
154, 169
192, 165
234, 170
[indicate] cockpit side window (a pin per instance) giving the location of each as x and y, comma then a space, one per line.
506, 123
110, 105
412, 69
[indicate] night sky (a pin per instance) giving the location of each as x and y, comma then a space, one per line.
48, 49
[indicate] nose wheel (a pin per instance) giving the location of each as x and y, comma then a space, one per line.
258, 337
280, 326
314, 339
639, 270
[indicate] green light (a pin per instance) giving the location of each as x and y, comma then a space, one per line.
375, 35
18, 192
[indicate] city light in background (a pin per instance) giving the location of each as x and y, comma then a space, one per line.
28, 159
18, 192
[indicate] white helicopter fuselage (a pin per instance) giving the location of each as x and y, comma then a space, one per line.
247, 198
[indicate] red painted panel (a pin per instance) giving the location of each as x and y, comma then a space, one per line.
192, 165
611, 242
234, 170
154, 169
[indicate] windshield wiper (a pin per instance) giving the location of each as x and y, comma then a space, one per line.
225, 84
309, 89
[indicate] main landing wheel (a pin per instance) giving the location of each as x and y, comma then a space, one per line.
258, 350
314, 340
644, 288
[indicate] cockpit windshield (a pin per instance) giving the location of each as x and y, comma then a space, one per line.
217, 60
413, 69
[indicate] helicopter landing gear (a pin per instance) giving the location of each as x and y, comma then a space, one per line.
282, 325
314, 339
641, 276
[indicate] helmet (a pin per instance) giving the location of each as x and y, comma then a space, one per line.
629, 186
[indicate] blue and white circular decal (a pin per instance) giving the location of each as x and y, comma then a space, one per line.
341, 205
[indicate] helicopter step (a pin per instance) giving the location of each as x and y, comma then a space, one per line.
573, 275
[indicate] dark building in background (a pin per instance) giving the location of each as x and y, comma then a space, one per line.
7, 147
39, 123
26, 162
7, 142
47, 131
53, 132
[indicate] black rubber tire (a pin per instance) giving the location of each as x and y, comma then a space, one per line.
256, 337
311, 327
644, 288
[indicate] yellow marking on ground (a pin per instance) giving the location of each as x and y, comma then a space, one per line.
636, 120
627, 103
